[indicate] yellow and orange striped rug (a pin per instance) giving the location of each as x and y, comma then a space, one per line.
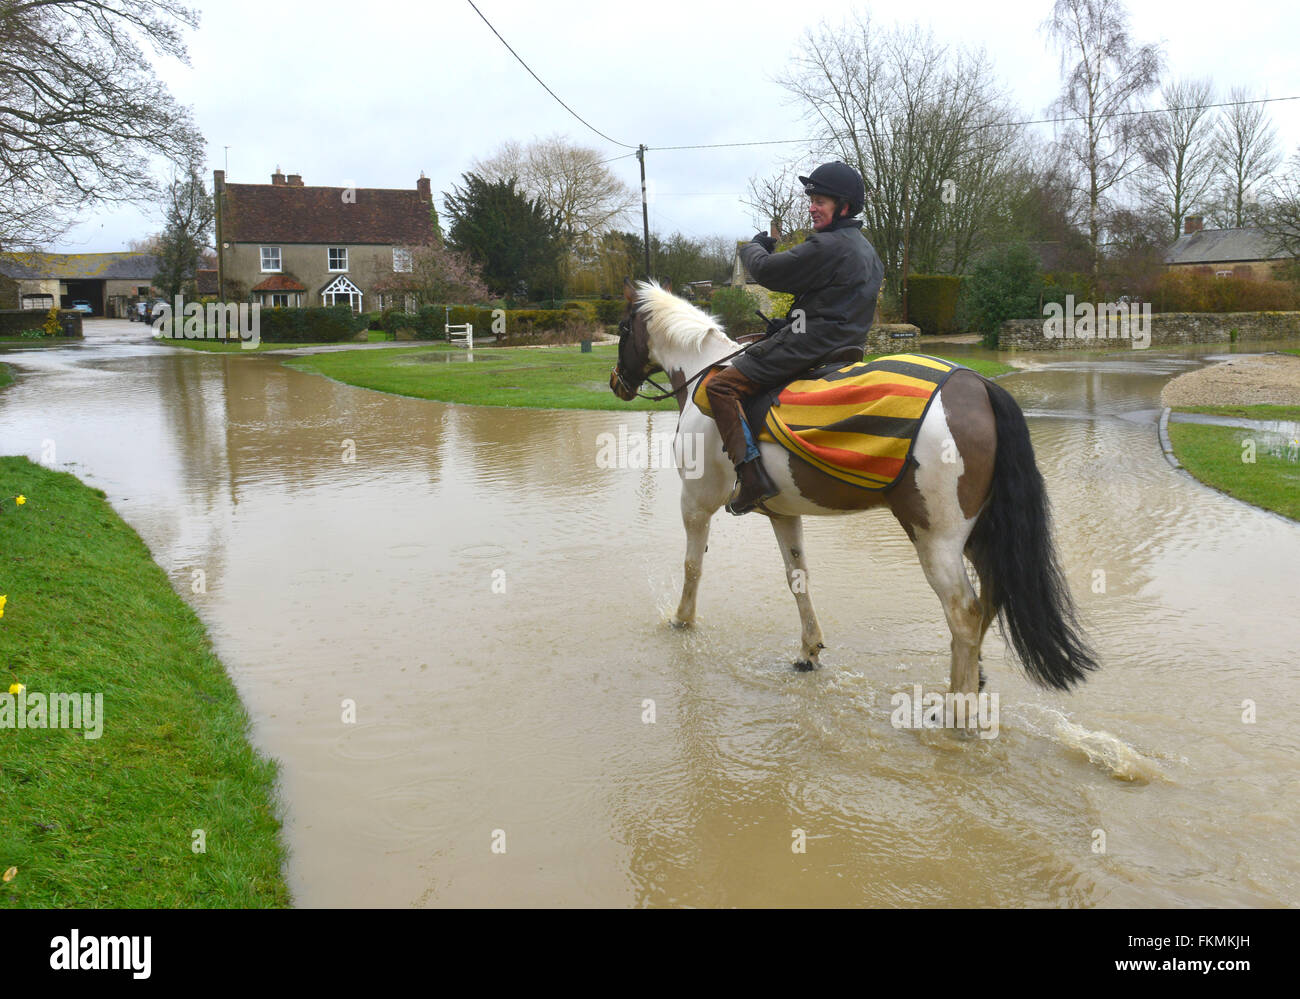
857, 423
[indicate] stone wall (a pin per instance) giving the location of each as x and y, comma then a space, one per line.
1165, 329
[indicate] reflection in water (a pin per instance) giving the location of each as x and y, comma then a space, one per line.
496, 604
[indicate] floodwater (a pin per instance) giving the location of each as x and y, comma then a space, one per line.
530, 731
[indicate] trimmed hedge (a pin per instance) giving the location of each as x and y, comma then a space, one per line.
1181, 291
932, 302
13, 322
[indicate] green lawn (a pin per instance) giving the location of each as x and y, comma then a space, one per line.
6, 375
234, 346
1215, 456
1260, 411
110, 822
543, 378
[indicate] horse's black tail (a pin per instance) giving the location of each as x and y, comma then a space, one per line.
1012, 551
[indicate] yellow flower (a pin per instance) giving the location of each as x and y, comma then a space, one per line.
16, 688
20, 500
3, 601
9, 875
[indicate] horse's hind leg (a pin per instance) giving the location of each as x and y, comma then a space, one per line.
789, 535
941, 558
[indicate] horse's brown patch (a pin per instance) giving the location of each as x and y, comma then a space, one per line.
828, 491
975, 435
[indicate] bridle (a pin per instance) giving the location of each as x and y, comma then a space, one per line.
625, 329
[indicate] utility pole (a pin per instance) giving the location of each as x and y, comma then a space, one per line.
645, 212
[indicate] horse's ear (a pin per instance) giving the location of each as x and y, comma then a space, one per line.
668, 284
629, 290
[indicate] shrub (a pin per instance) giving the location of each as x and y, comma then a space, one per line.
736, 308
1005, 285
932, 302
1185, 291
609, 310
293, 325
52, 325
782, 303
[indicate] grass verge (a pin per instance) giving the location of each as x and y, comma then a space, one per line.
539, 378
1259, 411
110, 822
235, 347
1215, 456
6, 376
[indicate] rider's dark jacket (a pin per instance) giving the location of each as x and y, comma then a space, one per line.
835, 276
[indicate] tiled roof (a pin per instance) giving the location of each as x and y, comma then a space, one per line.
80, 266
279, 282
1221, 246
267, 213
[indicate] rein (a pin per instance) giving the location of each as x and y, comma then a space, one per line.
665, 393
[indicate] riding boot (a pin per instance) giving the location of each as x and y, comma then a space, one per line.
754, 486
727, 391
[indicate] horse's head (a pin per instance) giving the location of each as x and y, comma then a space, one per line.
634, 364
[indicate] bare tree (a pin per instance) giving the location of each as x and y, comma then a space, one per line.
571, 181
1280, 214
1101, 89
778, 198
81, 111
1247, 155
926, 128
1179, 151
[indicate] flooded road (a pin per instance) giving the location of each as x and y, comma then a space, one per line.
495, 606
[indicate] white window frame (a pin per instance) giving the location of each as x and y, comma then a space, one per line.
279, 260
279, 294
402, 260
329, 259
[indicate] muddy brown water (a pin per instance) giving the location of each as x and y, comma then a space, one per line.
495, 605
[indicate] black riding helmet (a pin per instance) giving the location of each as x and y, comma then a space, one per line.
837, 180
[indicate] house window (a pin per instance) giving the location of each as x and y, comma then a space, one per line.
338, 258
143, 291
1223, 273
270, 259
280, 300
401, 260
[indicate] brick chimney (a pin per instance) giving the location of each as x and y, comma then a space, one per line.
774, 230
277, 178
422, 185
295, 180
1192, 224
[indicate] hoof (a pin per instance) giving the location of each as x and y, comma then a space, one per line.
805, 666
680, 625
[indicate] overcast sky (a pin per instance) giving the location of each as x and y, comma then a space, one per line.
373, 93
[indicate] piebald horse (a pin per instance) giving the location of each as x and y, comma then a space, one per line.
973, 491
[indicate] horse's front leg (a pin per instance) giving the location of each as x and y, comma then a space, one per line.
697, 522
789, 535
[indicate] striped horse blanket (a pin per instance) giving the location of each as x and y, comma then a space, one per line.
857, 423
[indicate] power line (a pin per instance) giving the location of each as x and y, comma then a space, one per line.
544, 86
987, 124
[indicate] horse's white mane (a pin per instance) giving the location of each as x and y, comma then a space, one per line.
678, 323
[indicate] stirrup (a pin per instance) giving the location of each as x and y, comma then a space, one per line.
764, 488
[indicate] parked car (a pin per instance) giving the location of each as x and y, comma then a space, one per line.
81, 305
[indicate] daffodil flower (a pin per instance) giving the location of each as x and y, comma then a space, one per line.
16, 688
20, 500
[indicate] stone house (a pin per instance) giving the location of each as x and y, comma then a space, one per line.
286, 244
110, 282
1245, 252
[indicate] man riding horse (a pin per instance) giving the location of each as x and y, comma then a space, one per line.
835, 276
